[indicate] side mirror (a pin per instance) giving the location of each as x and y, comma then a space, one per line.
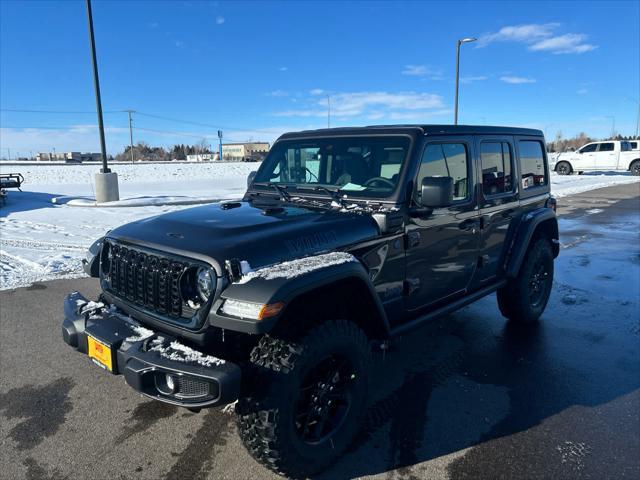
250, 178
436, 192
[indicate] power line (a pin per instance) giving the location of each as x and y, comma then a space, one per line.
208, 125
150, 115
14, 110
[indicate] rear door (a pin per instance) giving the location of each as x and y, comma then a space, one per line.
498, 202
606, 158
442, 247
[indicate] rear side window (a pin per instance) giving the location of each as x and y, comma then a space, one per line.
495, 158
606, 147
532, 164
447, 160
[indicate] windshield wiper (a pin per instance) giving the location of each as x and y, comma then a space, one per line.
334, 193
281, 189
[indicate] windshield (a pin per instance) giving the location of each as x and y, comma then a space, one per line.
357, 166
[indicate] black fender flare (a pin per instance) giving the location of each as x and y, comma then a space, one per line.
526, 229
261, 291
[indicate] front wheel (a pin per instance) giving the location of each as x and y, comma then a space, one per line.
305, 398
635, 167
564, 168
525, 297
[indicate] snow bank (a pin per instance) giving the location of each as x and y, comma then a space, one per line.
563, 185
130, 173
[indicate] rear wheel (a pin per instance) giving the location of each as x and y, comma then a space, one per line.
635, 167
525, 297
305, 398
564, 168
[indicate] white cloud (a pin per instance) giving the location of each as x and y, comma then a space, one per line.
517, 80
478, 78
283, 69
582, 91
277, 93
179, 43
369, 105
220, 20
317, 91
539, 37
568, 43
422, 71
518, 33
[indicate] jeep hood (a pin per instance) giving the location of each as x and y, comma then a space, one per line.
260, 235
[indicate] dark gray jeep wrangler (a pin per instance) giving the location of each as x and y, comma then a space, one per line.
345, 238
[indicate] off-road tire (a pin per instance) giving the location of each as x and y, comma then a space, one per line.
515, 299
634, 168
278, 366
564, 168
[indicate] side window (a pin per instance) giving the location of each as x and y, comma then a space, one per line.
495, 158
447, 160
532, 164
589, 148
606, 147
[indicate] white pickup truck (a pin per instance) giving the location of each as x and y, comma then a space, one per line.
604, 156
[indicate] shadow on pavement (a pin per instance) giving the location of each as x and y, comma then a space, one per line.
470, 378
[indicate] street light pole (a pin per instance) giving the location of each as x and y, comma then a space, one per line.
460, 42
106, 181
96, 85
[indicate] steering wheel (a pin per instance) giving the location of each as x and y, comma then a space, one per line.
379, 179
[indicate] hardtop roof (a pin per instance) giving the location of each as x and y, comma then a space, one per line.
414, 130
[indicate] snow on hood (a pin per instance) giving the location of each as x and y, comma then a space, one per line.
295, 268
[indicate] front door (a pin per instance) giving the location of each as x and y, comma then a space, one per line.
585, 158
442, 247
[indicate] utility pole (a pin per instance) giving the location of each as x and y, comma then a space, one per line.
130, 112
613, 125
328, 111
460, 42
106, 181
9, 153
219, 145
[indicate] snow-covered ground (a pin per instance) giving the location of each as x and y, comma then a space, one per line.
45, 230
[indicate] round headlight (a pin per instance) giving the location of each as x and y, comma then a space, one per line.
206, 283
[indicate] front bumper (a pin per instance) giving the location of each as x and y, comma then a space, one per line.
195, 381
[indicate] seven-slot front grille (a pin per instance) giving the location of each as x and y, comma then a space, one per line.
147, 280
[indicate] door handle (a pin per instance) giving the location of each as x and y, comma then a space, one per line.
468, 224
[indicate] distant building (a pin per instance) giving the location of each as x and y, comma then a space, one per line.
244, 151
238, 152
69, 157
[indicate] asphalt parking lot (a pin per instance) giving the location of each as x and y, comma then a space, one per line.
467, 396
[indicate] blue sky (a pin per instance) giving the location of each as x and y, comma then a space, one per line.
256, 69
